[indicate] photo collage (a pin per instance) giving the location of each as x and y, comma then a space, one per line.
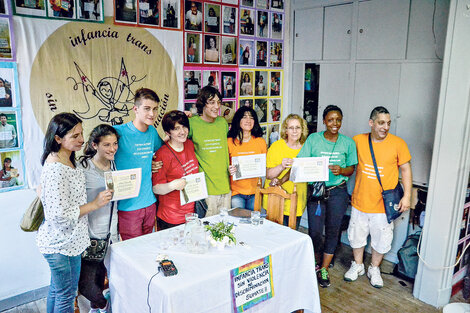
237, 47
11, 141
82, 10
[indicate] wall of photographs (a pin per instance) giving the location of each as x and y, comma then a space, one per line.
237, 47
11, 136
83, 10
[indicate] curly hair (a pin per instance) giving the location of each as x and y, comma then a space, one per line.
303, 125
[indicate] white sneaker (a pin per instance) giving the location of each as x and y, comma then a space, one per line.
373, 272
354, 271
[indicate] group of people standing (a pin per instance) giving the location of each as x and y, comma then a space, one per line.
77, 205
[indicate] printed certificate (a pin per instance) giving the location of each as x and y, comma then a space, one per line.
125, 183
249, 166
310, 169
195, 188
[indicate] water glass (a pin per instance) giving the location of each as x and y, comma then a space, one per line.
255, 218
223, 212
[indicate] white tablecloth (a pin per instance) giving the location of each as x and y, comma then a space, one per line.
203, 280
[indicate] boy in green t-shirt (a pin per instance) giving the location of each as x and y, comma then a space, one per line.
209, 135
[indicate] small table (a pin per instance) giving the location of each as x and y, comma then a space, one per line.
203, 280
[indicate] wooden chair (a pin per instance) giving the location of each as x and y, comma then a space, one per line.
275, 207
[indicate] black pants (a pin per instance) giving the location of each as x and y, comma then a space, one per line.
327, 214
91, 283
161, 224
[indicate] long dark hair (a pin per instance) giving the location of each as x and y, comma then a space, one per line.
4, 167
236, 132
59, 125
96, 134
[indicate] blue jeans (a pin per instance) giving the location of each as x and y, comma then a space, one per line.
327, 214
65, 272
243, 202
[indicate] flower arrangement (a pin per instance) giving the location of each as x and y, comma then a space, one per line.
221, 233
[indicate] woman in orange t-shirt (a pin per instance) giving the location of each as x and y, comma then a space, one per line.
245, 137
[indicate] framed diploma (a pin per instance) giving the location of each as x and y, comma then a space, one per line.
249, 166
310, 169
124, 183
195, 189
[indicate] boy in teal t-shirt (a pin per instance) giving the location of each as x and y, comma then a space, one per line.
137, 143
209, 135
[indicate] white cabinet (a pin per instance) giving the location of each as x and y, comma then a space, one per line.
308, 28
335, 88
375, 85
337, 32
427, 31
382, 29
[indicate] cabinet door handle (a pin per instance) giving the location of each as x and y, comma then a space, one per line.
361, 30
348, 32
296, 34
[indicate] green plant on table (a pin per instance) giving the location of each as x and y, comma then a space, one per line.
221, 230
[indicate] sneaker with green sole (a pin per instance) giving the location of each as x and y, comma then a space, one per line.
323, 277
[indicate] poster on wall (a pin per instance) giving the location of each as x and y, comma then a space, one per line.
94, 75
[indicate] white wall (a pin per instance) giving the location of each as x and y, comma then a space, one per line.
22, 267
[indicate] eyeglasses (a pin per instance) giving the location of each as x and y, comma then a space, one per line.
292, 128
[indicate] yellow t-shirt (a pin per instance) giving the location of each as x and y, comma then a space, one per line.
389, 155
254, 146
278, 151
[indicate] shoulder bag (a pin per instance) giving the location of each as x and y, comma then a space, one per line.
200, 206
97, 249
33, 217
391, 197
319, 191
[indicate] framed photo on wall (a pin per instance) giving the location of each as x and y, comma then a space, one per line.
229, 84
149, 12
170, 13
30, 7
229, 50
211, 49
192, 84
125, 11
229, 20
7, 51
8, 85
192, 49
11, 170
193, 16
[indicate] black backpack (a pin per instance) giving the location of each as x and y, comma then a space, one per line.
408, 258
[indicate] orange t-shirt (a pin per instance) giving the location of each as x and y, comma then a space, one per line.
254, 146
389, 155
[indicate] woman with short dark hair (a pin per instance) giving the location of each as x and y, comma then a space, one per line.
179, 160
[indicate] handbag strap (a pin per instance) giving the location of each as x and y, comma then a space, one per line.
375, 163
174, 154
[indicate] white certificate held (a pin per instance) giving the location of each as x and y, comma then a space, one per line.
195, 188
249, 166
124, 183
310, 169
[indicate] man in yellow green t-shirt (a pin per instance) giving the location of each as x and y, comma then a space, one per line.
368, 211
209, 135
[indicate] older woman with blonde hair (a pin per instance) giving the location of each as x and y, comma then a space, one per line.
279, 159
